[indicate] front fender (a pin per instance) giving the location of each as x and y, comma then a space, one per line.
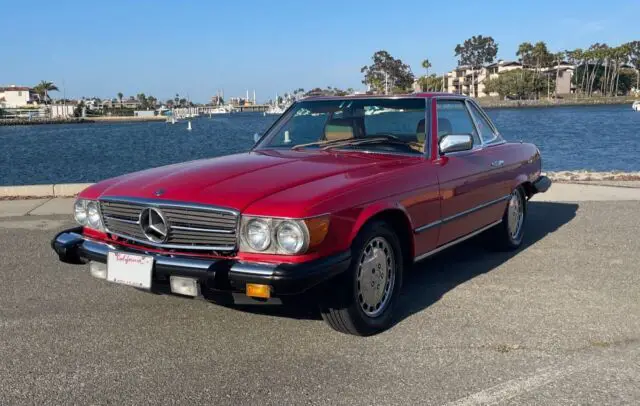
380, 209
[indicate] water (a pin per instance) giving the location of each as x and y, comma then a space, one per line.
599, 138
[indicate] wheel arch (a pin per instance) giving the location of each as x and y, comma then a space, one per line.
398, 218
526, 184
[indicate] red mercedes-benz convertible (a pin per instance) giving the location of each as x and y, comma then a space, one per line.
336, 200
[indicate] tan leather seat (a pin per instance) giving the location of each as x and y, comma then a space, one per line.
339, 129
444, 128
420, 131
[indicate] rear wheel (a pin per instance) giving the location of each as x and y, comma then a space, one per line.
361, 301
509, 233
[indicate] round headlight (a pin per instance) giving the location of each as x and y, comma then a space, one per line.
93, 215
258, 234
80, 212
290, 237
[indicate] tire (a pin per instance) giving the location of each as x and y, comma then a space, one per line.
508, 235
350, 307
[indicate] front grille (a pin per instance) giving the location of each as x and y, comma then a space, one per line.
189, 227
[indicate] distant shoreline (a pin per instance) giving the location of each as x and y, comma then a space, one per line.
493, 103
79, 120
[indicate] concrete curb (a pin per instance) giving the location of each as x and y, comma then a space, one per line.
72, 189
39, 191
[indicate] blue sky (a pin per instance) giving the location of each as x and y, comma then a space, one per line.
195, 47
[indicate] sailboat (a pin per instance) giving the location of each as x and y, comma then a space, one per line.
274, 108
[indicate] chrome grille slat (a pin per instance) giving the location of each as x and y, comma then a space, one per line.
123, 220
196, 236
190, 227
201, 230
203, 224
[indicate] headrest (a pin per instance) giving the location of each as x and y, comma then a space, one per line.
420, 131
444, 127
339, 129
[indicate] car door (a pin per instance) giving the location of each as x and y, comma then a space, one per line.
470, 197
504, 165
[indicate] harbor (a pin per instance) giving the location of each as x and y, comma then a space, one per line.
607, 136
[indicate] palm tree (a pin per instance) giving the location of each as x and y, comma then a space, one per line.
120, 96
426, 65
43, 88
559, 56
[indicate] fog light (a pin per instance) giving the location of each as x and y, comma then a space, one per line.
261, 291
98, 270
184, 286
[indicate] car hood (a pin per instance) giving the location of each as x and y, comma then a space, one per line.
236, 181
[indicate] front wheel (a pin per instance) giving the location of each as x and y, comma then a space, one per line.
361, 301
508, 235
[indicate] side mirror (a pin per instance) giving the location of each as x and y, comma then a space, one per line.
256, 137
455, 143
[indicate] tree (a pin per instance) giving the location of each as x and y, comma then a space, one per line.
525, 54
426, 64
43, 88
634, 59
542, 58
476, 52
515, 84
430, 83
151, 102
169, 103
558, 57
142, 98
387, 74
120, 96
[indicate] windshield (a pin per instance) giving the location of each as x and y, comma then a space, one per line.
380, 125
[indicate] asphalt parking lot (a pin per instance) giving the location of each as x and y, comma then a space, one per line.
556, 323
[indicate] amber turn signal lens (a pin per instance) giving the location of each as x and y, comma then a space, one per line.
318, 228
256, 290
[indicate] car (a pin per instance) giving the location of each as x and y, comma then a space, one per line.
333, 203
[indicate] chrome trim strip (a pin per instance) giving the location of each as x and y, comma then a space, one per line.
102, 249
474, 209
461, 214
205, 230
177, 247
454, 242
253, 269
182, 262
95, 248
122, 220
158, 203
427, 226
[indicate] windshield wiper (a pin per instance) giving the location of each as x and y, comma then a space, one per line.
323, 142
380, 139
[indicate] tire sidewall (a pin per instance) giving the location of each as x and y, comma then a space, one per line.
516, 242
363, 321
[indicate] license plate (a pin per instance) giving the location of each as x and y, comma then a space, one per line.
130, 269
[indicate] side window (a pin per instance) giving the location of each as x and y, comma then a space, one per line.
487, 133
454, 118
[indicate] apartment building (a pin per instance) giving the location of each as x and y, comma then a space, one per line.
470, 82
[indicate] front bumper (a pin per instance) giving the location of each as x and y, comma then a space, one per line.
214, 275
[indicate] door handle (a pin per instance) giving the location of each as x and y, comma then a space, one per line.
497, 163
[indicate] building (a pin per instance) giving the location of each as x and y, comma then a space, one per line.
17, 96
470, 82
129, 103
